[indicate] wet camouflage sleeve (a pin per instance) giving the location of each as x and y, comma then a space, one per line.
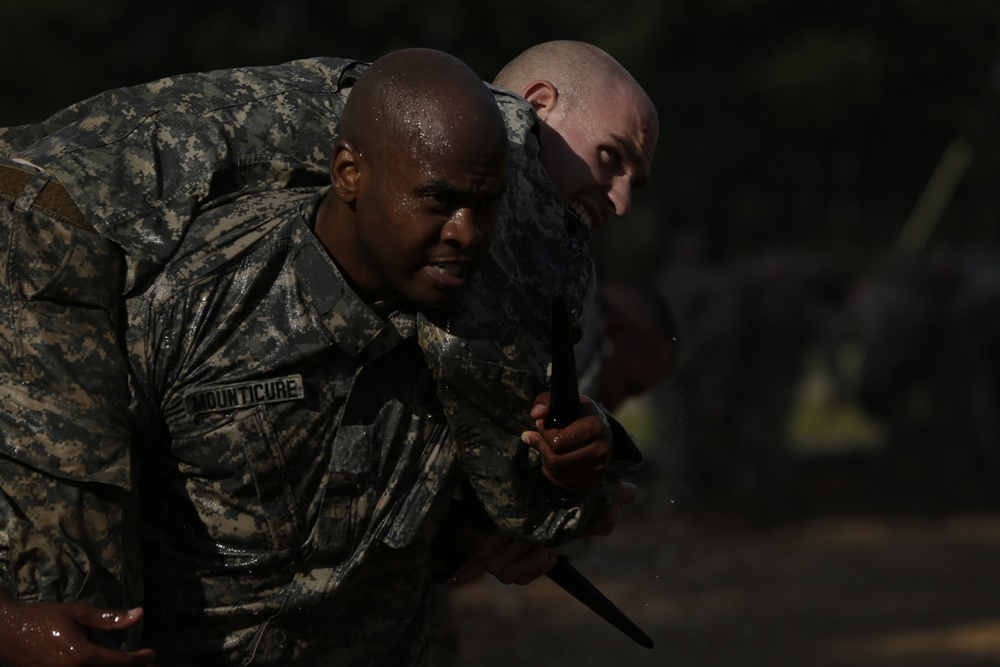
67, 523
491, 353
142, 162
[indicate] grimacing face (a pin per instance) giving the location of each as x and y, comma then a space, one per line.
424, 219
598, 151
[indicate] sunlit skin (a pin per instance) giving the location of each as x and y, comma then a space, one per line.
596, 153
599, 127
599, 132
418, 229
415, 189
55, 633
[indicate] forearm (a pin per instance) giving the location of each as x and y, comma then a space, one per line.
507, 477
488, 407
523, 503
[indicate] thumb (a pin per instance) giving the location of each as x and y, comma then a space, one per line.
532, 439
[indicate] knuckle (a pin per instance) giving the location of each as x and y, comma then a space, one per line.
549, 458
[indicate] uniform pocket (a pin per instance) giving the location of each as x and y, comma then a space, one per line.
236, 481
65, 393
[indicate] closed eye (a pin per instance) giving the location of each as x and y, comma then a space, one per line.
440, 194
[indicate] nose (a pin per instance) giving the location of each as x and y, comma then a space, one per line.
468, 228
620, 195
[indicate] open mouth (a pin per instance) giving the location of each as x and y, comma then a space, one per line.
450, 270
581, 212
448, 275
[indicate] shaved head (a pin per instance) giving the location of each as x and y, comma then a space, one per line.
578, 69
416, 177
420, 100
599, 127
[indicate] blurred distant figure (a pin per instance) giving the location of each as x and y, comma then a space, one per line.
630, 343
724, 415
968, 395
893, 313
790, 301
931, 370
694, 406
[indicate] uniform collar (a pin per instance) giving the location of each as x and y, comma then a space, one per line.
353, 324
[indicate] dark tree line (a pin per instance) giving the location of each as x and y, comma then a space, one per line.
805, 123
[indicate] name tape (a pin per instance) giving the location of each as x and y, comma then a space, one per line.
227, 397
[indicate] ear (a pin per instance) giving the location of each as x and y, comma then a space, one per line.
542, 95
345, 171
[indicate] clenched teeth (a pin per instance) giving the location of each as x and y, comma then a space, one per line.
453, 270
581, 211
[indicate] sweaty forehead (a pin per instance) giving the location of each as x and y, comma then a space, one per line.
638, 124
446, 129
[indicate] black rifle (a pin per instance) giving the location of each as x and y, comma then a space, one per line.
564, 406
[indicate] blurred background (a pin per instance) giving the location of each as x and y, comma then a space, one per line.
823, 461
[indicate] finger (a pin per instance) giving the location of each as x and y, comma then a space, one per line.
575, 480
528, 567
487, 546
519, 562
589, 462
590, 456
103, 657
578, 434
104, 619
467, 573
532, 439
582, 476
540, 409
52, 633
497, 550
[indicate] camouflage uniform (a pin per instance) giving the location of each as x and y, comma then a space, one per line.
141, 164
291, 482
65, 503
138, 165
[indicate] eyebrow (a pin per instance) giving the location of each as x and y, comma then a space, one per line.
441, 187
632, 154
436, 186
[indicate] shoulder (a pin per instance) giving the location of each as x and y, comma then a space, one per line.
523, 126
224, 236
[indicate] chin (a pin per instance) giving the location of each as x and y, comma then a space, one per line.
435, 300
